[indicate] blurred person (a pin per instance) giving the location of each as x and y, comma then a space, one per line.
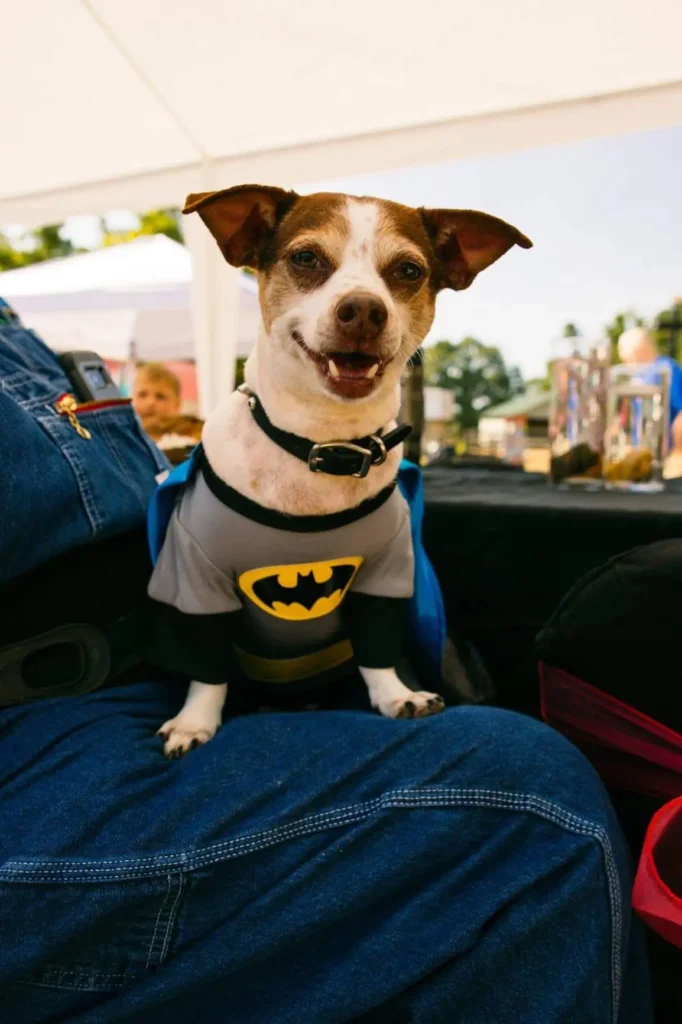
636, 347
156, 393
156, 399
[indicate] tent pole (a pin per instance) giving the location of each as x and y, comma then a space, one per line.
215, 313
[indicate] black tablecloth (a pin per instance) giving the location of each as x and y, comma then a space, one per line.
507, 547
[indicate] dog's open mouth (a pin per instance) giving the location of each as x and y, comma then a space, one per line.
351, 374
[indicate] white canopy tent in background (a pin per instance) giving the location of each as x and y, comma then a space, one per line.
125, 300
129, 104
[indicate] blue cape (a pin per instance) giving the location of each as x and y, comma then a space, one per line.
426, 627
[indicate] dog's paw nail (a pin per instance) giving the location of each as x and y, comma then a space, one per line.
408, 709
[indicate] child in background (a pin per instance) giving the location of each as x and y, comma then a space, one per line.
156, 400
156, 393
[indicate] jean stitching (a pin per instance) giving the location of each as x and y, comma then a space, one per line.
80, 472
159, 459
83, 974
171, 919
97, 982
419, 798
158, 918
113, 447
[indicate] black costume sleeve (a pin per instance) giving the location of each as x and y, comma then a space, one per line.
376, 628
197, 646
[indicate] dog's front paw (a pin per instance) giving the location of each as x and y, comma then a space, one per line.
413, 705
182, 734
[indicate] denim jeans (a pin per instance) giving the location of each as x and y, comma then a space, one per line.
59, 490
317, 867
303, 867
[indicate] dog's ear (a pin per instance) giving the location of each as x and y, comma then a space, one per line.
466, 242
242, 219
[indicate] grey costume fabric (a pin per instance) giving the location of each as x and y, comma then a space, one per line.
289, 586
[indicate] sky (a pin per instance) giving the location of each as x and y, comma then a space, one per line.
605, 217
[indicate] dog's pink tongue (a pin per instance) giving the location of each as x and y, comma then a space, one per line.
353, 367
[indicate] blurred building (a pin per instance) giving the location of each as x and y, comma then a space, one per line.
529, 411
439, 408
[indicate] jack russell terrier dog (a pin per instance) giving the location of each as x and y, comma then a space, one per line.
288, 558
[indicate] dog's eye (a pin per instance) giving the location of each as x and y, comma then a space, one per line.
408, 271
305, 260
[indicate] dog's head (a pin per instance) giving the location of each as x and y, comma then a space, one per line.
348, 285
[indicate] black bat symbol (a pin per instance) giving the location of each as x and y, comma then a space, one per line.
307, 590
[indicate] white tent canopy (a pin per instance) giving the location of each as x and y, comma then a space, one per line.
117, 103
135, 294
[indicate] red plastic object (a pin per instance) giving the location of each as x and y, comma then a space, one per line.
629, 750
657, 895
634, 752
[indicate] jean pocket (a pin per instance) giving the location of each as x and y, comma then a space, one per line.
114, 463
94, 937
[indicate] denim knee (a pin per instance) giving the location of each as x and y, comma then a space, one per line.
509, 752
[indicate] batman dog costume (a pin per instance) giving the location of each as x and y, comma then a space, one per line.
243, 591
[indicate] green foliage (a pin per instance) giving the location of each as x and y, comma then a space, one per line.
571, 331
155, 222
239, 365
47, 243
540, 384
667, 330
11, 258
477, 375
44, 244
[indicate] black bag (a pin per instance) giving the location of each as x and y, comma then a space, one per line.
619, 628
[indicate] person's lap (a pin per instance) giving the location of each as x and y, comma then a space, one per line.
322, 866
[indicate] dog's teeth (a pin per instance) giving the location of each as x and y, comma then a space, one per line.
372, 372
333, 369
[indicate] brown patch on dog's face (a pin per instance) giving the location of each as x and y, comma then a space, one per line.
407, 262
332, 253
347, 285
317, 225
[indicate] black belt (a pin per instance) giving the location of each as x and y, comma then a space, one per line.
70, 660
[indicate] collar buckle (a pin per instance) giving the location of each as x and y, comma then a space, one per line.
340, 458
347, 458
337, 458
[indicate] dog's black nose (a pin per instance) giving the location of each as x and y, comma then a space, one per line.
361, 316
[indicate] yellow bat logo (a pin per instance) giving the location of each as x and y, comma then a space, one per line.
299, 592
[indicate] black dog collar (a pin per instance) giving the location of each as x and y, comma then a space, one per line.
337, 458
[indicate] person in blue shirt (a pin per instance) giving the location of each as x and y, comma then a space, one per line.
637, 347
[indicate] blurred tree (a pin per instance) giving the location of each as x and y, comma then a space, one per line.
540, 383
412, 405
239, 365
154, 222
49, 243
571, 331
46, 243
477, 375
11, 258
667, 330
